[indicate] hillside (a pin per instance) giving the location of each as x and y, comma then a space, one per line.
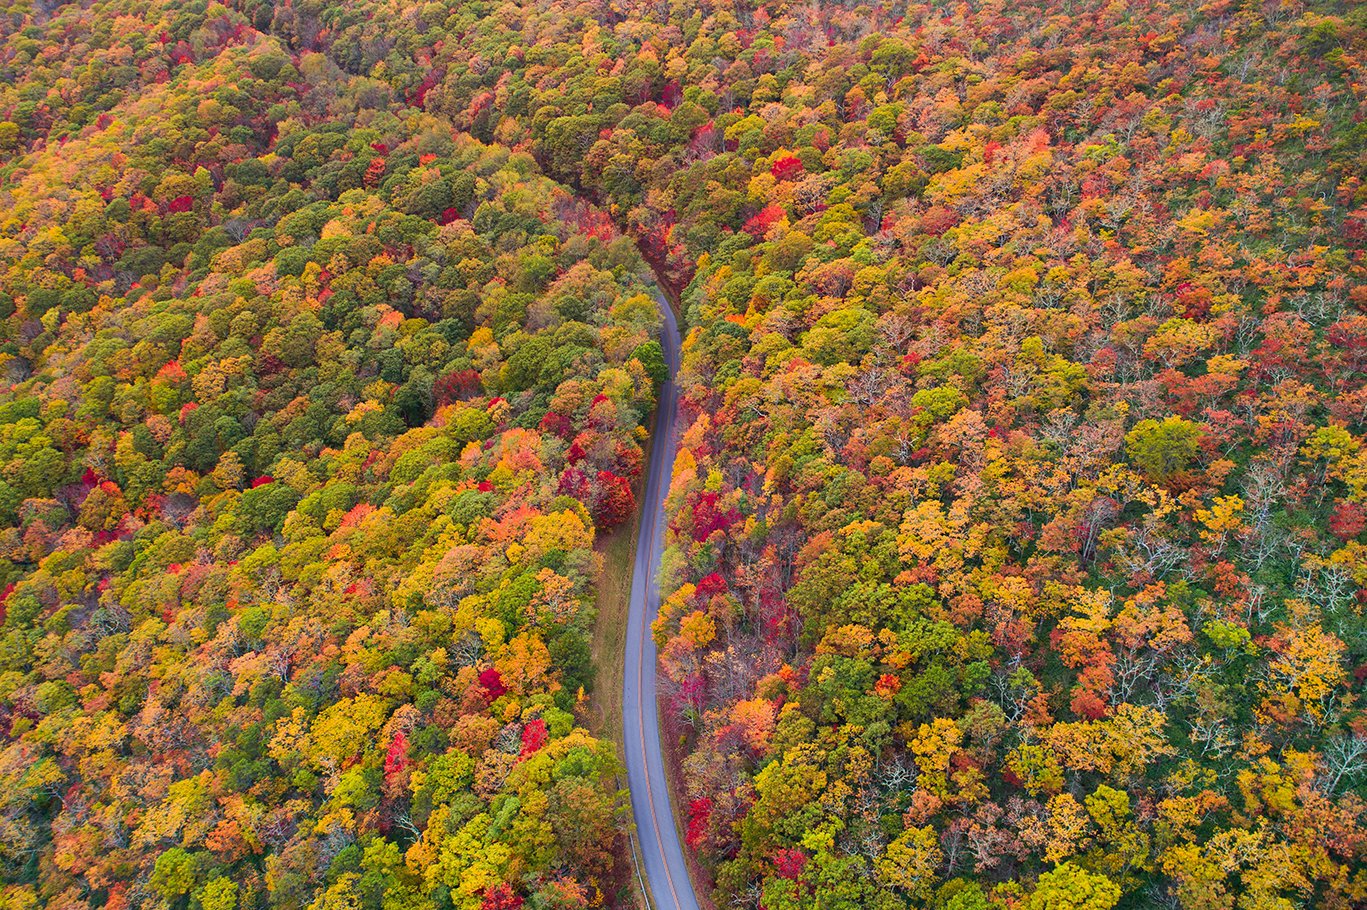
1018, 525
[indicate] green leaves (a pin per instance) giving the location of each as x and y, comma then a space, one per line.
1162, 449
1070, 887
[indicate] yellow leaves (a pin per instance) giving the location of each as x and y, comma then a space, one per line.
397, 684
1345, 457
1072, 887
335, 227
1200, 882
738, 129
785, 786
1126, 846
295, 474
1351, 558
698, 630
482, 348
1221, 518
932, 748
1305, 671
463, 861
924, 532
820, 837
524, 663
565, 531
499, 410
685, 468
1160, 502
339, 821
910, 862
344, 729
1225, 365
1198, 222
1036, 767
229, 472
1180, 816
618, 384
1021, 280
214, 378
377, 390
1015, 594
1303, 124
422, 855
238, 259
848, 641
1066, 828
761, 187
1122, 744
1178, 341
1267, 788
1034, 166
1353, 472
1256, 865
186, 814
671, 607
955, 185
289, 734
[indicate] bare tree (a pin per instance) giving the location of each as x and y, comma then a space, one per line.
1345, 756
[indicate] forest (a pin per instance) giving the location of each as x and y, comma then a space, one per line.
1017, 534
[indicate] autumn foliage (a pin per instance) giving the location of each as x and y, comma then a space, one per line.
1016, 534
296, 612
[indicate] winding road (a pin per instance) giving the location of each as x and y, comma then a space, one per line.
661, 853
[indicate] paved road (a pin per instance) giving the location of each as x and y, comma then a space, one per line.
662, 854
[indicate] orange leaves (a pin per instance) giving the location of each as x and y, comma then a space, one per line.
517, 451
556, 600
887, 686
1081, 643
1146, 621
374, 171
929, 308
756, 719
1081, 634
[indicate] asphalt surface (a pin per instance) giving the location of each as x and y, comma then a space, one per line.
661, 853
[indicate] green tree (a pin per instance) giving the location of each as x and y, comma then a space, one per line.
1070, 887
1163, 448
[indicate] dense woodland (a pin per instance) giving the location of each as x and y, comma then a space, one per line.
1017, 546
314, 410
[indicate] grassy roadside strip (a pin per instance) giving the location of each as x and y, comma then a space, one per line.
617, 557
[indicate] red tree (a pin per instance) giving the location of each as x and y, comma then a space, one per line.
613, 501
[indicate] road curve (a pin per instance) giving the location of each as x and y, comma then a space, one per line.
660, 851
